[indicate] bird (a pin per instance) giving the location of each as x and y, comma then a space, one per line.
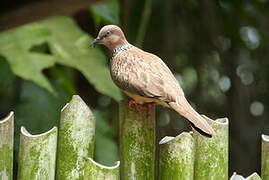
145, 78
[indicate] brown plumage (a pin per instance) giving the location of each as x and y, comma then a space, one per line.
145, 77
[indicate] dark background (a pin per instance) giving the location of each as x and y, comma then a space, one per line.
218, 50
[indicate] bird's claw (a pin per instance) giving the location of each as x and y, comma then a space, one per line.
137, 105
150, 105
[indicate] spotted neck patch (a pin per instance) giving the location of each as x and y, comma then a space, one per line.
119, 49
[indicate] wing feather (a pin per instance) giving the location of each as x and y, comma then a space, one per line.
144, 74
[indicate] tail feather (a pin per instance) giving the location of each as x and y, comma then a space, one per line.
197, 121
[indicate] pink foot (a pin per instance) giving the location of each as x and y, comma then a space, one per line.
150, 105
137, 105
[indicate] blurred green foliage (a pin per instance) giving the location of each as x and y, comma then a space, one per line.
218, 51
53, 45
67, 45
105, 12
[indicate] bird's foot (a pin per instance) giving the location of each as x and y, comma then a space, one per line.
136, 104
150, 105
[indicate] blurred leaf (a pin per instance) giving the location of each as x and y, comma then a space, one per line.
69, 46
6, 75
107, 11
15, 45
106, 150
7, 82
64, 79
102, 125
37, 109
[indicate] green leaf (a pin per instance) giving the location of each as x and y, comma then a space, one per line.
72, 47
68, 45
15, 45
106, 11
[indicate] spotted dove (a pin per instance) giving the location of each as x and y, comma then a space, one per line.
146, 78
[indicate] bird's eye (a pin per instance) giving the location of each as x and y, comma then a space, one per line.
108, 32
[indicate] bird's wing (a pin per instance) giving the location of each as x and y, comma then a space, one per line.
144, 74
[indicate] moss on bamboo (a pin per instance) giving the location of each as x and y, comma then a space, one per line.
265, 157
6, 147
177, 157
76, 139
137, 142
211, 157
37, 155
96, 171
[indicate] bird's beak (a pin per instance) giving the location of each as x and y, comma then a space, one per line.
95, 41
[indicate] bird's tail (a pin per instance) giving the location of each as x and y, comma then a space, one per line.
197, 121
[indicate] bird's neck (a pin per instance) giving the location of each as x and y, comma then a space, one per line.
120, 48
119, 43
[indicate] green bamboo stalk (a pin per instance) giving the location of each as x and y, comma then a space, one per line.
137, 142
265, 157
76, 139
6, 147
37, 155
96, 171
211, 156
177, 157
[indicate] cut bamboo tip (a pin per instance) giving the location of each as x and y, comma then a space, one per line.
253, 176
265, 138
64, 107
74, 97
26, 133
117, 164
168, 139
9, 116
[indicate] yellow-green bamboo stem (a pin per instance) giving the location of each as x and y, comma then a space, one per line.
177, 157
6, 147
211, 156
137, 142
76, 139
37, 155
96, 171
265, 157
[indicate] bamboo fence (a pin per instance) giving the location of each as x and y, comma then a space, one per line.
66, 152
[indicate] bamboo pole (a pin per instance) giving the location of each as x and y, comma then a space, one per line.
96, 171
211, 156
6, 147
265, 157
177, 157
76, 139
37, 155
137, 142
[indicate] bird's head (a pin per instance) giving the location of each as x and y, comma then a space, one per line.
110, 36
